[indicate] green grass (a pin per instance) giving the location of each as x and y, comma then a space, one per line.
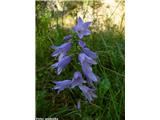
109, 105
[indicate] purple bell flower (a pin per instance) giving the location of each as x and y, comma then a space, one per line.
77, 79
82, 28
84, 58
68, 37
86, 50
60, 65
61, 85
86, 63
87, 70
63, 49
90, 53
88, 92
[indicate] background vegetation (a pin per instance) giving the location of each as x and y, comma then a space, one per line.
107, 39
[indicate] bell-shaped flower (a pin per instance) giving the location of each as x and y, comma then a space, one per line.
68, 37
84, 58
90, 53
86, 63
77, 79
82, 28
87, 71
62, 49
86, 50
89, 93
61, 85
60, 65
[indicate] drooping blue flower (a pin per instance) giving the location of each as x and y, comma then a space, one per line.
77, 79
82, 44
62, 49
82, 28
89, 93
90, 53
68, 37
86, 50
60, 65
61, 85
87, 70
84, 58
86, 63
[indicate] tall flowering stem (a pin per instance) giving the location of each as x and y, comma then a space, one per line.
83, 55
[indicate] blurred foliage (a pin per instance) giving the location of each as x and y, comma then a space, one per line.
54, 20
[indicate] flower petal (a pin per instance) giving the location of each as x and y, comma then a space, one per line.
88, 92
81, 43
84, 58
55, 65
87, 70
63, 48
68, 37
92, 77
62, 64
56, 53
80, 21
90, 53
87, 32
77, 79
61, 56
86, 25
61, 85
80, 35
54, 47
75, 28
